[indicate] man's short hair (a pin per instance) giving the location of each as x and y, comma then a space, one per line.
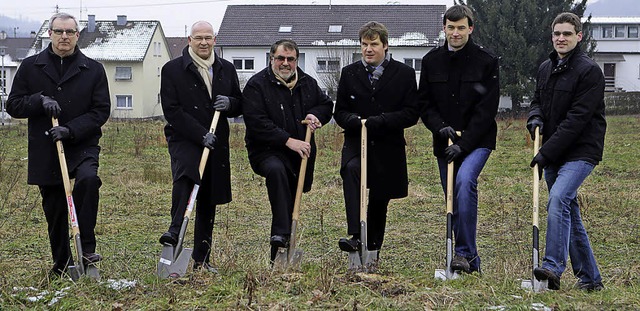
62, 16
456, 13
373, 30
568, 17
287, 44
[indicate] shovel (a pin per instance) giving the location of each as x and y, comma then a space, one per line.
364, 259
175, 259
290, 257
448, 273
78, 269
534, 284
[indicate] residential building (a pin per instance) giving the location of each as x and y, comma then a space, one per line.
132, 53
326, 35
12, 52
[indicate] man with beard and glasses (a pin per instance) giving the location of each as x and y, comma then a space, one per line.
275, 102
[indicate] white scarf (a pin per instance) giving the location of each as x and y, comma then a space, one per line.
204, 67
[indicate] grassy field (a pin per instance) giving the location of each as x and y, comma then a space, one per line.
134, 211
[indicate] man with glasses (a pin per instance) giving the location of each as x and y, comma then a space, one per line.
568, 108
276, 100
459, 92
193, 86
382, 91
61, 82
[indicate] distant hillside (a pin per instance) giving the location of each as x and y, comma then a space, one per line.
613, 8
24, 27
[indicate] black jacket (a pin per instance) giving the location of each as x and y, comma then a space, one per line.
460, 89
394, 97
272, 114
570, 100
188, 109
83, 96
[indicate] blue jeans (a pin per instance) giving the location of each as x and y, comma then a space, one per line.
565, 233
465, 202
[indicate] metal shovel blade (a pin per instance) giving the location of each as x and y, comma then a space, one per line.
73, 272
283, 261
166, 259
179, 266
354, 261
442, 274
534, 285
92, 271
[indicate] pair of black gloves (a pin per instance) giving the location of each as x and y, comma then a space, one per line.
52, 110
373, 122
222, 103
454, 151
539, 159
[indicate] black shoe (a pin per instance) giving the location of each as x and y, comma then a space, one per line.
279, 241
590, 287
89, 258
204, 266
169, 238
459, 263
349, 245
541, 274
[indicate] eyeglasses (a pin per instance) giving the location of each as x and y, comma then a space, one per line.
199, 38
281, 58
69, 32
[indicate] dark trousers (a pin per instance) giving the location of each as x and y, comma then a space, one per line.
376, 209
205, 216
54, 203
281, 188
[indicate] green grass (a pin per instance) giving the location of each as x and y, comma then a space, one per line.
134, 211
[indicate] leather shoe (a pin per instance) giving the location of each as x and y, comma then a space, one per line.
590, 287
169, 238
204, 266
459, 263
279, 241
349, 245
89, 258
541, 274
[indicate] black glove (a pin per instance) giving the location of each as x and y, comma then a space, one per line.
353, 122
534, 122
209, 140
453, 152
51, 107
448, 132
541, 161
222, 103
375, 122
59, 133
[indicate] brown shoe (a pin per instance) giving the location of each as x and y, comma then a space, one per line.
541, 274
459, 263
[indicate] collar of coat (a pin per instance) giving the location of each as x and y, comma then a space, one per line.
553, 57
187, 60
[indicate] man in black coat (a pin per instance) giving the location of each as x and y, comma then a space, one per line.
276, 101
61, 82
382, 91
569, 102
459, 92
193, 87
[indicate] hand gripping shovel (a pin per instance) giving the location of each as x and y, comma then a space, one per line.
175, 259
448, 273
290, 257
363, 259
534, 284
78, 269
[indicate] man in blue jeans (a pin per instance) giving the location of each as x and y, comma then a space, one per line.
459, 91
568, 107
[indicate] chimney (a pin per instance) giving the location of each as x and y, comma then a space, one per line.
122, 20
32, 34
91, 25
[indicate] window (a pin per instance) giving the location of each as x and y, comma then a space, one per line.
157, 49
328, 65
243, 63
335, 28
124, 102
285, 28
123, 73
619, 31
415, 63
632, 32
607, 31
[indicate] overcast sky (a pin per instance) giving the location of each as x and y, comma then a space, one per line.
173, 14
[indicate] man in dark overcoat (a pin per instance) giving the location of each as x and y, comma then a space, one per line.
193, 87
382, 91
460, 92
276, 101
61, 82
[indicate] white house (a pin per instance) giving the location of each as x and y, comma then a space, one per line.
326, 35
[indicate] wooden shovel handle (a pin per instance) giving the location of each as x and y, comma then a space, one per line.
205, 152
450, 180
363, 172
536, 176
301, 175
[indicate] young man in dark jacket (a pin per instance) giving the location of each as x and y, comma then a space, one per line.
276, 100
459, 92
193, 87
568, 108
61, 82
382, 91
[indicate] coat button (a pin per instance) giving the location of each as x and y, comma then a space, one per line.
59, 88
373, 99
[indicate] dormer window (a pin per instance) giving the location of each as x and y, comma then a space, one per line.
285, 28
335, 28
